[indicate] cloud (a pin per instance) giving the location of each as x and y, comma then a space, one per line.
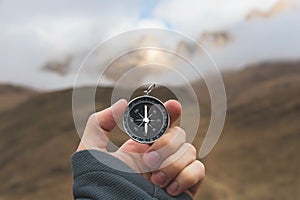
194, 17
262, 40
151, 23
65, 25
34, 32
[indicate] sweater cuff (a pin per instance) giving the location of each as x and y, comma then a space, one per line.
93, 160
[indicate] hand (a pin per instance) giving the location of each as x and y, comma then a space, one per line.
169, 162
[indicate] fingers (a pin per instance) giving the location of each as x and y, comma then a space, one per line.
183, 173
169, 143
190, 177
174, 110
174, 165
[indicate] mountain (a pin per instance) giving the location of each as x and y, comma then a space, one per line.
280, 6
216, 39
61, 67
255, 158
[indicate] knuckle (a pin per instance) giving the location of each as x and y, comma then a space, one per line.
201, 168
175, 133
163, 141
196, 175
191, 178
175, 129
170, 142
179, 133
192, 149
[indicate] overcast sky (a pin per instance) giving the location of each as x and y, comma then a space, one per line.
33, 32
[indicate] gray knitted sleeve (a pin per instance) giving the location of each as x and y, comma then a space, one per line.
95, 180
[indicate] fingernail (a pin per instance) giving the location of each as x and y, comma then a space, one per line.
152, 159
172, 189
159, 178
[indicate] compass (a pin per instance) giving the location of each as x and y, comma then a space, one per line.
146, 118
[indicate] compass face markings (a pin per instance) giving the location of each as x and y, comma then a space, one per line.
145, 119
139, 114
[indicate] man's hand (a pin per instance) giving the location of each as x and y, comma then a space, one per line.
169, 162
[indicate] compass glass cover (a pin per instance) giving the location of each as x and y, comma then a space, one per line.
146, 119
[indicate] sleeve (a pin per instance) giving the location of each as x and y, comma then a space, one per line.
94, 178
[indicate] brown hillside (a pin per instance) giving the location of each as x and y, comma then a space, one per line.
11, 95
255, 158
257, 154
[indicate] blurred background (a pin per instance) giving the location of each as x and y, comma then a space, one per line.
254, 43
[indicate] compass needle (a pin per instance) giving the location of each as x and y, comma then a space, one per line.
146, 129
145, 112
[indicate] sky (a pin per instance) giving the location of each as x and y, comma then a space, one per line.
34, 32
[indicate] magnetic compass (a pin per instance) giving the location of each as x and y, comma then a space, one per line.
146, 118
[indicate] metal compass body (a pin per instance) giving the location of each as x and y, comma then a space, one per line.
146, 118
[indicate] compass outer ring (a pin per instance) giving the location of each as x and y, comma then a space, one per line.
139, 139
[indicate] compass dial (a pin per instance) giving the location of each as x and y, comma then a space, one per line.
146, 119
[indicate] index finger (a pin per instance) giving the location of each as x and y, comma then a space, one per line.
174, 110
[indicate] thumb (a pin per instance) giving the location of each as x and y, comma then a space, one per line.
99, 125
108, 118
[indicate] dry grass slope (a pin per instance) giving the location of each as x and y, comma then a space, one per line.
255, 158
11, 95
